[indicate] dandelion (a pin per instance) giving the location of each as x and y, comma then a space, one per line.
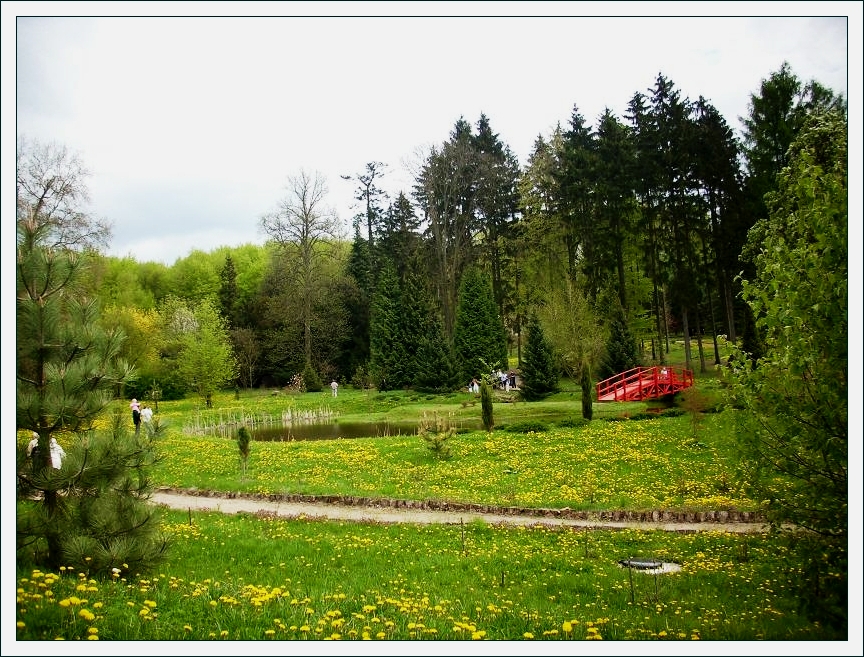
528, 635
20, 625
92, 630
269, 633
92, 637
87, 615
188, 628
223, 633
567, 626
144, 612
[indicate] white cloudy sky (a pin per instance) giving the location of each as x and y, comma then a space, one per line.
191, 125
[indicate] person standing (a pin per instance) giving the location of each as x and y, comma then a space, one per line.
33, 451
335, 388
57, 454
146, 416
136, 415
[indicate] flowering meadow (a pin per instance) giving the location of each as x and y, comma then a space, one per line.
256, 577
243, 577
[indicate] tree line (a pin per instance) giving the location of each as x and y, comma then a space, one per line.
610, 236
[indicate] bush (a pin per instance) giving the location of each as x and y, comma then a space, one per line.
527, 426
436, 433
311, 380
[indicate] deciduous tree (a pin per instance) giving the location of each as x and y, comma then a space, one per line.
795, 396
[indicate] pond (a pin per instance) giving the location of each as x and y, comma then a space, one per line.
336, 429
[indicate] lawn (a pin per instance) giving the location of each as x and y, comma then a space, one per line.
250, 577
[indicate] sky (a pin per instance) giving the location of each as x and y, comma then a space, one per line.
191, 126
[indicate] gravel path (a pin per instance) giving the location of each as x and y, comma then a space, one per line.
387, 514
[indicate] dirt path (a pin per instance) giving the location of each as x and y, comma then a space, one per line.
389, 514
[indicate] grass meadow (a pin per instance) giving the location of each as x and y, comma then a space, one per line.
258, 578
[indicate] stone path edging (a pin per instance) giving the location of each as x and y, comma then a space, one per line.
430, 511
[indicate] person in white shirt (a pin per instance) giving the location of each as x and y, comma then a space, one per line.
57, 454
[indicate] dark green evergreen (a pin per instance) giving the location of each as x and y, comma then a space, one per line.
93, 512
622, 352
539, 370
479, 341
436, 370
486, 405
385, 357
228, 297
311, 380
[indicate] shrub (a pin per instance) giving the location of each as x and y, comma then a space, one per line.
527, 426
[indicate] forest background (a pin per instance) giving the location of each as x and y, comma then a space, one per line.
610, 236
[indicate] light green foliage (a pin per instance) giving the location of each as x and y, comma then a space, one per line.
572, 327
795, 395
206, 360
436, 432
197, 275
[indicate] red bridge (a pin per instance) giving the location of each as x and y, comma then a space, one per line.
644, 383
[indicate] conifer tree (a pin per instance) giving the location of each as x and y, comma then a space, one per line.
622, 353
478, 335
539, 372
436, 371
67, 370
384, 345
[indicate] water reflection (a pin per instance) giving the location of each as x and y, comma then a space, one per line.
333, 430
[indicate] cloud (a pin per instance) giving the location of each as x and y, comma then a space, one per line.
191, 125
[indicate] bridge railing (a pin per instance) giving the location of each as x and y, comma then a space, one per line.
644, 382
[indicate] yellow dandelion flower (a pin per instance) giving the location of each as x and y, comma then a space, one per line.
223, 633
92, 637
87, 615
97, 605
20, 625
144, 611
269, 632
528, 635
567, 626
188, 628
92, 630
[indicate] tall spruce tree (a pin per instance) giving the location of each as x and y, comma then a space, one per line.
539, 369
479, 341
385, 357
436, 369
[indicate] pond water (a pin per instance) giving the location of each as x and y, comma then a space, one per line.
333, 430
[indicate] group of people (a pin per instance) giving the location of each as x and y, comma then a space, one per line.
506, 381
140, 415
57, 453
